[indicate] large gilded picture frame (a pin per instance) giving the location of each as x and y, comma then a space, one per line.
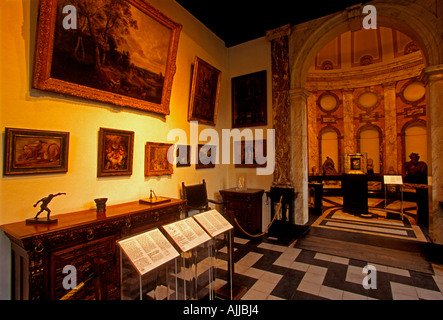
121, 52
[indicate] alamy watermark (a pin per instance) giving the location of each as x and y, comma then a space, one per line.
223, 146
370, 281
370, 20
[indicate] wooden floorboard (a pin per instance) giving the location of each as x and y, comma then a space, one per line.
404, 259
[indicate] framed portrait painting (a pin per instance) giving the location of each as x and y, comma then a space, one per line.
35, 151
121, 52
205, 91
249, 100
158, 159
115, 152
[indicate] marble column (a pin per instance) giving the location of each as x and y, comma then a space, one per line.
390, 140
299, 155
348, 122
313, 160
433, 78
281, 105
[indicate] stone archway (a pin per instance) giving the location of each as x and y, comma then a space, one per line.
305, 40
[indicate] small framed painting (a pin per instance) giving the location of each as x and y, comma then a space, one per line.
183, 156
157, 159
249, 100
355, 163
115, 152
35, 151
206, 156
205, 91
252, 154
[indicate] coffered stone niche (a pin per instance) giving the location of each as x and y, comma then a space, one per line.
415, 18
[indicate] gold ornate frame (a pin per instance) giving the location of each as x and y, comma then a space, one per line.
157, 159
115, 152
355, 163
110, 90
35, 151
205, 91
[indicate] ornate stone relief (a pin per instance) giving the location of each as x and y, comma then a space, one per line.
281, 105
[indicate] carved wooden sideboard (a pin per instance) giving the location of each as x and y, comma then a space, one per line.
85, 240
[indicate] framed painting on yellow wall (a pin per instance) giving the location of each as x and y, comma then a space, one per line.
249, 100
158, 159
112, 51
35, 151
205, 91
115, 152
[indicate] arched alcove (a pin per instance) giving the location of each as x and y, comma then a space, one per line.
306, 40
370, 141
330, 146
414, 140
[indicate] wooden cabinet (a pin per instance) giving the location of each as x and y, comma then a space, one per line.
246, 207
85, 240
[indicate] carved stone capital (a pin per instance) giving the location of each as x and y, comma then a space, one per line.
355, 18
299, 93
281, 32
432, 73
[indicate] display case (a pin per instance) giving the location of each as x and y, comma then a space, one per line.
148, 264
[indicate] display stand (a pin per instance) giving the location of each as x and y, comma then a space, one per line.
188, 236
216, 226
146, 261
393, 191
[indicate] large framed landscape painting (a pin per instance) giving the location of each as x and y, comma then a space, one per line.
121, 52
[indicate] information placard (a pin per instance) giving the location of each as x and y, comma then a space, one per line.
393, 179
186, 233
148, 250
213, 222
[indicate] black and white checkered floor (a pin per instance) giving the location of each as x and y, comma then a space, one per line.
272, 271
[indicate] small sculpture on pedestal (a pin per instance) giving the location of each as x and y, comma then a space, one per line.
416, 171
44, 207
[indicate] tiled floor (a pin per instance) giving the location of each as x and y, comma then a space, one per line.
270, 270
273, 271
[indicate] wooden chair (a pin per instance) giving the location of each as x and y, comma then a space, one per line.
196, 198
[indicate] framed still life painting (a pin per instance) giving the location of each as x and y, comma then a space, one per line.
249, 100
115, 152
158, 159
35, 151
121, 52
205, 91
